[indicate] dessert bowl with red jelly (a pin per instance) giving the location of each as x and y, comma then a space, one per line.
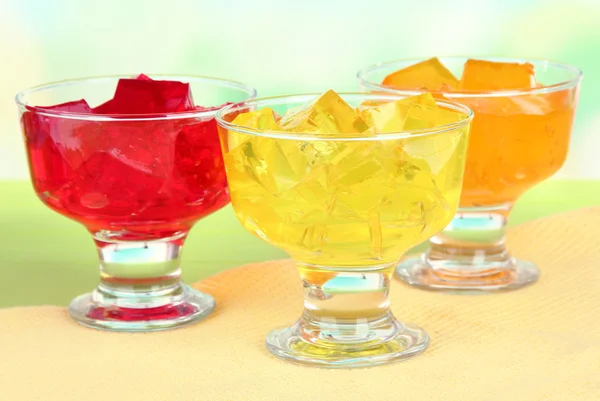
137, 161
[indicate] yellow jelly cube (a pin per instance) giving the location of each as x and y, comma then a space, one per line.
264, 119
411, 113
329, 114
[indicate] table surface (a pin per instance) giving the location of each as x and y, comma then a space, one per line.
47, 259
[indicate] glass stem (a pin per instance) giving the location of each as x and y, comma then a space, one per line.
348, 309
139, 274
473, 244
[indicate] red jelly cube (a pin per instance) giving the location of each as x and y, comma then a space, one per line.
47, 146
77, 106
37, 126
147, 96
108, 183
199, 162
134, 143
48, 169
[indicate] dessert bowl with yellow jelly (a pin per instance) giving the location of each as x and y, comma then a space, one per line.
523, 115
345, 184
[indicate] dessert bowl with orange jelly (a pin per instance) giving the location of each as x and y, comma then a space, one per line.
523, 115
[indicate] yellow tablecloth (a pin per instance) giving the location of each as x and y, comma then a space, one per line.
538, 343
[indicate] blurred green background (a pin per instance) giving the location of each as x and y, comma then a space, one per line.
287, 46
279, 47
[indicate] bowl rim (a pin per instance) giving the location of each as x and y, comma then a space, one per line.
311, 136
20, 98
577, 75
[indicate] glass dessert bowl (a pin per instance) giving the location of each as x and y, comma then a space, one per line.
523, 115
138, 171
345, 185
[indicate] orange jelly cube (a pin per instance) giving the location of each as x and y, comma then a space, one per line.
490, 75
429, 74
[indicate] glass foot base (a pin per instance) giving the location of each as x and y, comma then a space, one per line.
416, 272
141, 313
288, 345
